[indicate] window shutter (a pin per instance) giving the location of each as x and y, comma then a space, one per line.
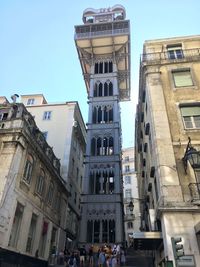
182, 78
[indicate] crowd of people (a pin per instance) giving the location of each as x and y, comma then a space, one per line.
92, 256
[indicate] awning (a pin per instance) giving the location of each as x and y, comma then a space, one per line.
147, 240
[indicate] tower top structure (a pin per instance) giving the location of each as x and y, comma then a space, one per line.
91, 15
105, 37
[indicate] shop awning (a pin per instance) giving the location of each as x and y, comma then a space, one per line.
147, 240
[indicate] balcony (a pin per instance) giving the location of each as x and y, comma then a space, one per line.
195, 193
164, 57
102, 29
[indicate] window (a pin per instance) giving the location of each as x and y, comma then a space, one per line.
182, 78
191, 116
50, 194
127, 168
30, 101
31, 234
128, 193
127, 179
3, 115
47, 115
175, 51
28, 169
130, 225
14, 236
40, 183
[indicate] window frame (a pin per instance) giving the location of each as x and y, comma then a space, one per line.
47, 115
192, 120
28, 169
40, 180
182, 70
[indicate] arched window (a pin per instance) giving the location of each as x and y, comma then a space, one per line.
101, 67
93, 146
28, 169
96, 231
111, 149
99, 115
104, 231
99, 146
100, 91
111, 182
40, 183
110, 67
94, 115
95, 90
105, 89
106, 67
111, 231
111, 115
110, 89
97, 184
105, 114
105, 182
105, 146
89, 231
91, 183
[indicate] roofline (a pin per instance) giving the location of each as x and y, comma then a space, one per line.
189, 37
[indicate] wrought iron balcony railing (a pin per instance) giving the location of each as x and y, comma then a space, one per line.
165, 57
195, 192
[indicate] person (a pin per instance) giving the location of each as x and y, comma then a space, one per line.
82, 252
61, 257
90, 254
123, 257
102, 258
72, 260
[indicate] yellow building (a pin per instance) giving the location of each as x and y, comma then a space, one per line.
167, 139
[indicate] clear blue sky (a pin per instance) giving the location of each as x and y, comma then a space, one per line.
38, 54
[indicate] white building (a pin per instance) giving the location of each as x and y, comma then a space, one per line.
130, 191
64, 129
103, 46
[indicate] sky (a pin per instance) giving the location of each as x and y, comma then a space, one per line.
38, 53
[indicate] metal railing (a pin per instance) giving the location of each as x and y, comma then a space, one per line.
194, 191
164, 57
101, 33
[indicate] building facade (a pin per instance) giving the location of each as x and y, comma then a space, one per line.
130, 192
167, 138
33, 196
64, 129
103, 46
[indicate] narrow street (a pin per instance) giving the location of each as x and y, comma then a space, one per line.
133, 259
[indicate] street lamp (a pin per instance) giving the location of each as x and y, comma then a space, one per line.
191, 155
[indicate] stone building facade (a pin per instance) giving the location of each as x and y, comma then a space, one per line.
167, 136
33, 196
